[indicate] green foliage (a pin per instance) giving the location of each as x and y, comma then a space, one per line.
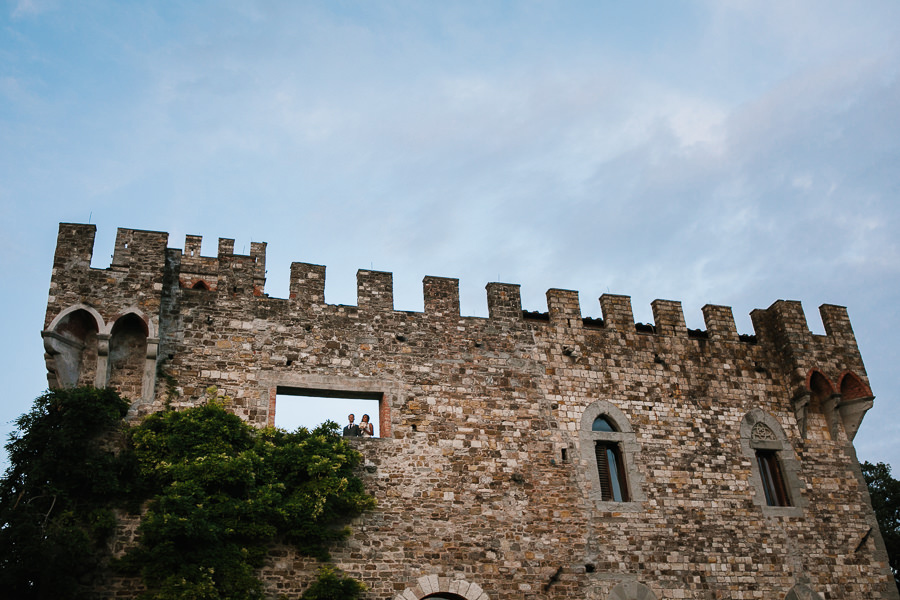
56, 496
217, 493
885, 493
223, 491
330, 585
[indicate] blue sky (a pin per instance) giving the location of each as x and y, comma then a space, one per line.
724, 152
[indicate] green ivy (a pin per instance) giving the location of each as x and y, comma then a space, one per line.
56, 497
330, 585
217, 493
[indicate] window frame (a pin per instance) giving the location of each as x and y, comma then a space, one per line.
623, 441
614, 480
386, 392
772, 479
776, 444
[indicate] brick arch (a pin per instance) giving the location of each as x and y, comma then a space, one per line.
818, 383
852, 386
434, 587
856, 400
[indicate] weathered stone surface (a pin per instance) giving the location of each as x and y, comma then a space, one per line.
486, 475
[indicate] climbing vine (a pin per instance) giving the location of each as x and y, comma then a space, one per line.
216, 494
56, 497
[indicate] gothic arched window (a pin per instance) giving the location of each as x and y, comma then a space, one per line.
773, 471
608, 447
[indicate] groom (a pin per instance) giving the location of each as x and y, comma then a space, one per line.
351, 429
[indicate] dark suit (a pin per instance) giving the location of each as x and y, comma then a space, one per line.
352, 430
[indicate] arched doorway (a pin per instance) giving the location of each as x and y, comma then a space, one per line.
432, 587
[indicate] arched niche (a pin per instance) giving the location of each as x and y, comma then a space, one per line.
127, 355
856, 399
71, 346
819, 422
815, 406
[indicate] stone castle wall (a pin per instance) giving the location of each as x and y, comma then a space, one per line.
485, 472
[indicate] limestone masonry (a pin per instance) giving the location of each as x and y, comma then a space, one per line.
523, 455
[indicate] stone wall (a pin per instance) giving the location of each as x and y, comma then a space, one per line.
486, 474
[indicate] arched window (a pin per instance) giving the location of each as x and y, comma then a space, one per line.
773, 475
602, 423
608, 448
610, 468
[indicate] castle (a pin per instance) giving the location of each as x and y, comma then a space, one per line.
523, 455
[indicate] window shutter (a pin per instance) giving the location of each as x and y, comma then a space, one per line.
772, 480
606, 492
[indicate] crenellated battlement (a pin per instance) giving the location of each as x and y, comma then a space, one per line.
233, 272
784, 323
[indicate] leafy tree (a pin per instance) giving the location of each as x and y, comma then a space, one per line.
56, 496
217, 493
885, 493
223, 491
330, 585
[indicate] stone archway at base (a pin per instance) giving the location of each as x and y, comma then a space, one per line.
631, 590
802, 592
432, 587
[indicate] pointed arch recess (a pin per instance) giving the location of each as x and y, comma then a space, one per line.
101, 325
818, 383
128, 354
818, 414
149, 327
853, 387
72, 344
856, 400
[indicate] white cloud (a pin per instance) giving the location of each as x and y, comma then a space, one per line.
752, 160
31, 8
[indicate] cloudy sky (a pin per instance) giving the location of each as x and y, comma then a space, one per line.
724, 152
